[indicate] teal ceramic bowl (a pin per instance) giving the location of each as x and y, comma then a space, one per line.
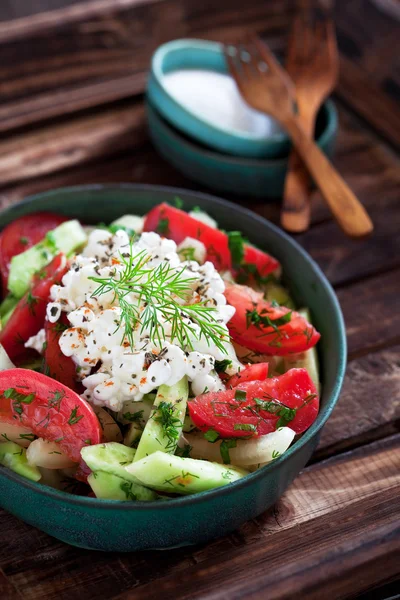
259, 178
201, 54
126, 526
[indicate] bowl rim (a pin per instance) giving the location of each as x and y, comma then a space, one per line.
157, 70
321, 419
244, 161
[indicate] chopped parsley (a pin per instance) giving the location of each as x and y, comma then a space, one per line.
236, 244
224, 448
211, 436
245, 427
178, 202
163, 226
240, 395
222, 365
259, 319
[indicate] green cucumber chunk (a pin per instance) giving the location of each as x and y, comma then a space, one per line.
130, 223
111, 487
164, 427
274, 292
110, 457
7, 308
133, 435
305, 360
168, 473
14, 457
66, 238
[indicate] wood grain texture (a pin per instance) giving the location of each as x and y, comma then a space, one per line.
320, 504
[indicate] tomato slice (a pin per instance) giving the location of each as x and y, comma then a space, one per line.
29, 314
59, 367
255, 408
51, 410
263, 327
175, 224
21, 234
257, 372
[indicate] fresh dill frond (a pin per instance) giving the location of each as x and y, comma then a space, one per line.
161, 293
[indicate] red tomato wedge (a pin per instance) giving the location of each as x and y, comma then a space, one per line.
21, 234
51, 410
176, 225
263, 327
257, 372
256, 408
60, 367
29, 314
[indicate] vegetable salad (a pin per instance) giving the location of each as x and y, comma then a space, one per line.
150, 357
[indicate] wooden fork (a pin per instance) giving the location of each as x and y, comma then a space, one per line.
265, 86
312, 64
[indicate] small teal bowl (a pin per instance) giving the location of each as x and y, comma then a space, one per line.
259, 178
201, 54
125, 526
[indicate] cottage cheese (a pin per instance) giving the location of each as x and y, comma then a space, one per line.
96, 339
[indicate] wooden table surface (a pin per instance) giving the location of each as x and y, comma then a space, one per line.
71, 112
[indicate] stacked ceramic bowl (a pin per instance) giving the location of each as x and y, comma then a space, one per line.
199, 123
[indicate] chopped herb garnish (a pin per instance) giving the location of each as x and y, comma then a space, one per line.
240, 395
236, 244
187, 253
133, 417
285, 413
222, 365
184, 452
55, 399
126, 486
27, 436
18, 399
253, 317
178, 202
5, 436
170, 424
224, 448
73, 418
275, 453
162, 292
163, 226
196, 209
50, 240
23, 240
211, 436
60, 327
245, 427
31, 301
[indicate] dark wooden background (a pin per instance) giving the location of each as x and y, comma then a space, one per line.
71, 111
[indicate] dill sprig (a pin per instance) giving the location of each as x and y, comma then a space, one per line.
160, 296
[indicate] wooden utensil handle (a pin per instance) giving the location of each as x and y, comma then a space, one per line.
296, 202
346, 208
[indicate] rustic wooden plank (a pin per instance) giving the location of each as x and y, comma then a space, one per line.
75, 142
369, 404
330, 511
370, 313
92, 53
7, 591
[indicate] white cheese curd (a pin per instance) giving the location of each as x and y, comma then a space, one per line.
131, 362
36, 342
204, 217
192, 249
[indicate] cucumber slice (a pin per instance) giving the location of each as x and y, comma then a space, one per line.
66, 238
112, 487
165, 423
305, 360
133, 435
188, 424
111, 458
257, 450
168, 473
14, 457
276, 292
7, 308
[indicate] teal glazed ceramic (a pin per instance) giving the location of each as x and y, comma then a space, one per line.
126, 526
260, 178
201, 54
